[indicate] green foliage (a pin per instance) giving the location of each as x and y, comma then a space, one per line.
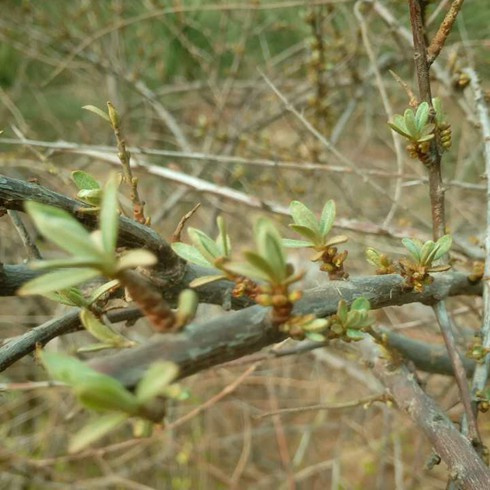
414, 126
315, 231
350, 324
206, 252
268, 262
99, 392
92, 254
424, 254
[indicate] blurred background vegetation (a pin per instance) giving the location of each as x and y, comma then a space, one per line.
189, 77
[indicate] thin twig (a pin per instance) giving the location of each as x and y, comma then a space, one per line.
30, 246
383, 397
481, 372
176, 235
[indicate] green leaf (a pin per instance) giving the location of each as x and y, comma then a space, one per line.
360, 303
327, 218
201, 281
158, 376
191, 254
413, 247
103, 393
247, 270
426, 251
342, 311
63, 229
64, 368
315, 325
136, 258
269, 244
93, 197
70, 297
313, 237
84, 181
70, 262
354, 334
303, 216
399, 126
410, 123
109, 215
315, 336
56, 281
443, 246
187, 305
101, 290
373, 257
260, 263
97, 111
422, 116
336, 240
288, 243
102, 332
208, 248
95, 430
223, 240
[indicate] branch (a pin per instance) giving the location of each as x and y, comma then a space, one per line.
206, 344
465, 466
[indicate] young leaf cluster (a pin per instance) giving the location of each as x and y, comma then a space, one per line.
315, 233
349, 324
91, 254
206, 252
415, 268
102, 393
89, 190
414, 126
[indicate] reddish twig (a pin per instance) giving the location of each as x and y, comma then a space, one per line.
445, 28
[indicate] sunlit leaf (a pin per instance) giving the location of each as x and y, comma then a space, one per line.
97, 111
61, 228
303, 216
313, 237
208, 247
410, 123
443, 246
336, 240
84, 181
223, 240
95, 430
201, 281
58, 280
427, 249
413, 246
289, 243
422, 115
70, 297
248, 270
354, 334
327, 218
191, 254
260, 263
109, 215
136, 258
70, 262
360, 303
269, 243
373, 257
65, 368
315, 336
158, 376
102, 332
101, 290
103, 393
